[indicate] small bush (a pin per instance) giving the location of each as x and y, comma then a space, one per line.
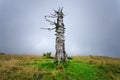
2, 53
70, 58
48, 54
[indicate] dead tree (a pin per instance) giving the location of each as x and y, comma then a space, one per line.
59, 28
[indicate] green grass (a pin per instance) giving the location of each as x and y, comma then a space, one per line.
16, 67
73, 70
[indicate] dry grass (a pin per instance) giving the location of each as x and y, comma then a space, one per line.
16, 67
26, 67
109, 68
98, 60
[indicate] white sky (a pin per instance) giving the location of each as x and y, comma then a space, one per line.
92, 26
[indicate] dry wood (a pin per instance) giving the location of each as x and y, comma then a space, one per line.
60, 38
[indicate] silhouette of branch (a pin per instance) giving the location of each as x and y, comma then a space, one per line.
48, 28
51, 22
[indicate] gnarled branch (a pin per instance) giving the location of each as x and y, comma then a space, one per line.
48, 28
51, 22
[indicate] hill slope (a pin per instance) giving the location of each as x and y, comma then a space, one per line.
20, 67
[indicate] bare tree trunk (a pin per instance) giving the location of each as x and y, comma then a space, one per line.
60, 38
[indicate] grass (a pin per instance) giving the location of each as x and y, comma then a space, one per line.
21, 67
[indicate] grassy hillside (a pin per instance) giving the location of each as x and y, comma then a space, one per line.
21, 67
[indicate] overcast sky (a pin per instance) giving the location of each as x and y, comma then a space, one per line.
92, 27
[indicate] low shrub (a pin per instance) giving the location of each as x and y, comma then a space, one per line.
2, 53
48, 54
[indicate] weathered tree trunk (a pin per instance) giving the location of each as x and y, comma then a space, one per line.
60, 38
60, 55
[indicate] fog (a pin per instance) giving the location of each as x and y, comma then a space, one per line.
92, 27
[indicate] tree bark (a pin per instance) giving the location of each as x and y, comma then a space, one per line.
60, 55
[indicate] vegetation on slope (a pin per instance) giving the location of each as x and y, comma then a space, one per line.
19, 67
